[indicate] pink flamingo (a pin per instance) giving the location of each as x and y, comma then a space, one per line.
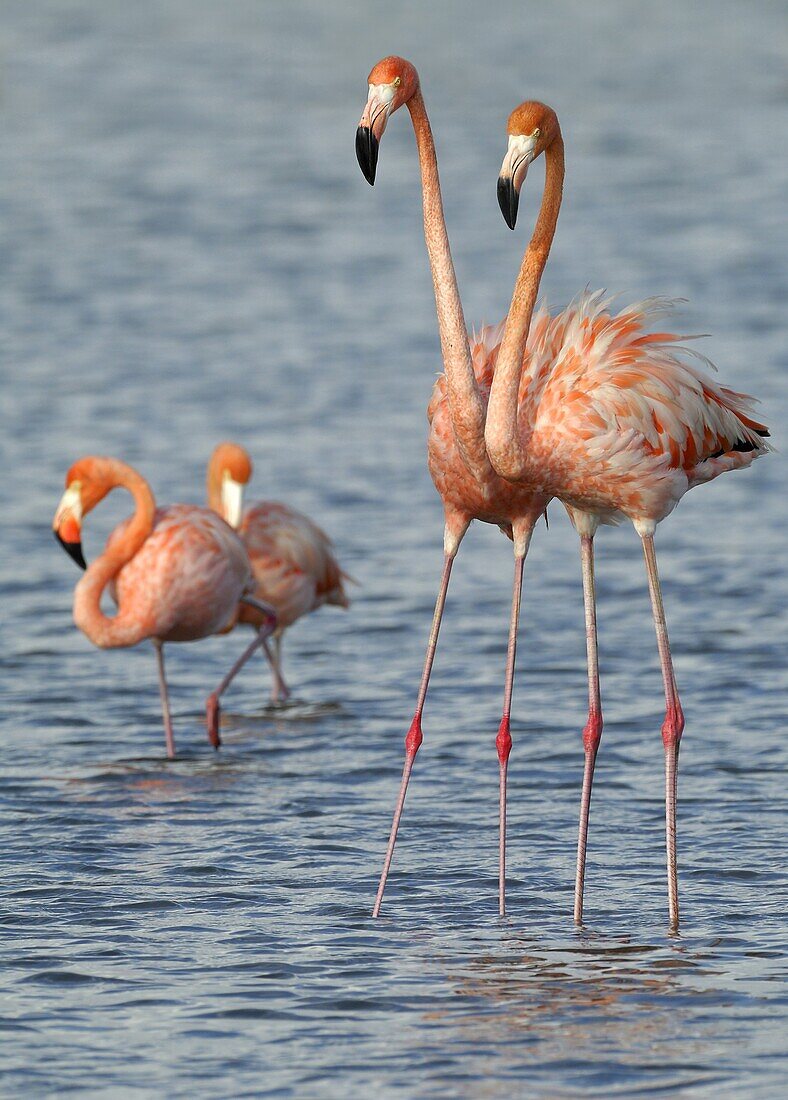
607, 417
295, 570
469, 487
177, 574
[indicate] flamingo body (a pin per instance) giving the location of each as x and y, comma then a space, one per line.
293, 563
185, 581
615, 422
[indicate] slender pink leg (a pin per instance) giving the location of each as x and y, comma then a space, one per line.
165, 700
414, 737
279, 689
280, 692
212, 708
672, 727
503, 741
592, 732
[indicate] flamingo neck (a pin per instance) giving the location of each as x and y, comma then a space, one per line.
504, 444
214, 485
466, 406
122, 629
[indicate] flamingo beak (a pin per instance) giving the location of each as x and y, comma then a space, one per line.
67, 524
371, 127
367, 146
508, 200
232, 500
513, 172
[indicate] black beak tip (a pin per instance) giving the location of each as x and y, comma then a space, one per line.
74, 551
508, 200
367, 153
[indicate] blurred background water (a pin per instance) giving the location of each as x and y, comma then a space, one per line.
189, 253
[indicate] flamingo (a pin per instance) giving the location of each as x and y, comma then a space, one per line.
176, 573
597, 410
293, 563
461, 471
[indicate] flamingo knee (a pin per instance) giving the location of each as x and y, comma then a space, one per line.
592, 731
414, 737
673, 726
503, 741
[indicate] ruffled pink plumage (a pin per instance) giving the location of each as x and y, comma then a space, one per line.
616, 421
185, 581
293, 562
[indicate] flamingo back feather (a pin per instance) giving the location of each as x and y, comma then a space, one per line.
607, 402
293, 561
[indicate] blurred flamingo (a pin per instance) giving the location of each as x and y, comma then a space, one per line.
295, 570
605, 415
177, 574
469, 487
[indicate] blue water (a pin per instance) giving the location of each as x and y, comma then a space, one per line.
190, 253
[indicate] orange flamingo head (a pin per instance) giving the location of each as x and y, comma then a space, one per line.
392, 82
87, 482
231, 466
532, 128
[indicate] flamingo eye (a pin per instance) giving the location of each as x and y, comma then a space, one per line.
537, 133
397, 81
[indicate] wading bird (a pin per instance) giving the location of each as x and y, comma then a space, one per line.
609, 418
469, 487
176, 573
295, 570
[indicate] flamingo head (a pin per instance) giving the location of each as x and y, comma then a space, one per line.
233, 468
532, 127
392, 82
85, 487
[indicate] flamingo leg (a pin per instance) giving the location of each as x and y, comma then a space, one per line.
503, 741
212, 707
414, 736
165, 699
280, 692
672, 727
592, 732
279, 689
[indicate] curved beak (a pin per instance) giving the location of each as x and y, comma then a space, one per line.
67, 524
232, 500
367, 146
371, 127
508, 200
512, 176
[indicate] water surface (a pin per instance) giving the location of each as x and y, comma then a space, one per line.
189, 253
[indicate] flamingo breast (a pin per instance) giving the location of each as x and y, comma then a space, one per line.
490, 499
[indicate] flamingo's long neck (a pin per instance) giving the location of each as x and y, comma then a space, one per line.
122, 629
466, 405
502, 433
214, 485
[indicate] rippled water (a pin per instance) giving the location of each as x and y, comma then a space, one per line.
188, 253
